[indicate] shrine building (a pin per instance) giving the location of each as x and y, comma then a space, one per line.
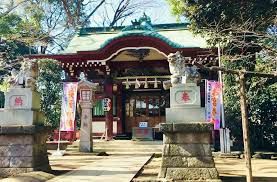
130, 65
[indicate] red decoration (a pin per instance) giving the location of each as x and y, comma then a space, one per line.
18, 101
185, 97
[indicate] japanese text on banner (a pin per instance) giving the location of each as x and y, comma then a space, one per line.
68, 109
213, 103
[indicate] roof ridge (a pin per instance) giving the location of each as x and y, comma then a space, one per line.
156, 27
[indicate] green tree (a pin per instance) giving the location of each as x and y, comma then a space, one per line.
50, 87
244, 31
49, 24
11, 53
240, 25
15, 40
19, 33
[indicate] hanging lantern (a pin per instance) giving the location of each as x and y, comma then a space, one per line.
63, 75
145, 83
115, 88
127, 84
137, 84
156, 83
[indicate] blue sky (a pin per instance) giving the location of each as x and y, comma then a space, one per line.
158, 10
161, 13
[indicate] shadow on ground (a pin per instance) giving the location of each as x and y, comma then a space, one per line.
59, 172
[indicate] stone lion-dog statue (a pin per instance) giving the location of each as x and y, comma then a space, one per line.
179, 70
27, 75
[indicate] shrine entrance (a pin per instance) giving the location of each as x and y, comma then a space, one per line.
145, 106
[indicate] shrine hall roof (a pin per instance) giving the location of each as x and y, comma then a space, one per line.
175, 35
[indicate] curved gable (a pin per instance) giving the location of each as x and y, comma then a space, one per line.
150, 34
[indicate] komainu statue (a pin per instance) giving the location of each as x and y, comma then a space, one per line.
180, 71
26, 76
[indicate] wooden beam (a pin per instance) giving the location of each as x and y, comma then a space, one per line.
141, 77
237, 72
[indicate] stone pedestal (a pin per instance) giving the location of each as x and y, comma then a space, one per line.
187, 154
185, 104
85, 144
23, 149
22, 107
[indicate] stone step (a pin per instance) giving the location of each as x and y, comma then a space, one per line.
119, 148
150, 172
156, 159
72, 149
127, 146
122, 147
146, 179
127, 149
155, 142
127, 153
152, 166
73, 146
124, 142
118, 151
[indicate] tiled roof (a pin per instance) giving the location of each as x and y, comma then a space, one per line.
176, 35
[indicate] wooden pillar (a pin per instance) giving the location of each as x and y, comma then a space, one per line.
245, 127
119, 109
109, 114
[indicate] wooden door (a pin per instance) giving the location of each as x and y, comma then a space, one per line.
144, 107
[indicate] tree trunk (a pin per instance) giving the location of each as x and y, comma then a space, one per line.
245, 127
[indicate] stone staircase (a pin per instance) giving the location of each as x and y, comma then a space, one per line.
122, 147
128, 147
150, 171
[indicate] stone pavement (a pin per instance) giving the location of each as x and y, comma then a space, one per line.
230, 170
112, 168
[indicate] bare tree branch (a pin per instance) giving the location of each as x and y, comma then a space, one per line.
93, 11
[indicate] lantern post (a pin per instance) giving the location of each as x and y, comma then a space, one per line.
87, 98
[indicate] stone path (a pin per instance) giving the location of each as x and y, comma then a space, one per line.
112, 168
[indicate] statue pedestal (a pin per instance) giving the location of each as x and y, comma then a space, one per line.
23, 142
187, 154
23, 149
185, 104
22, 107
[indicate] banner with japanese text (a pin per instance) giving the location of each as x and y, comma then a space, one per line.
68, 109
213, 102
